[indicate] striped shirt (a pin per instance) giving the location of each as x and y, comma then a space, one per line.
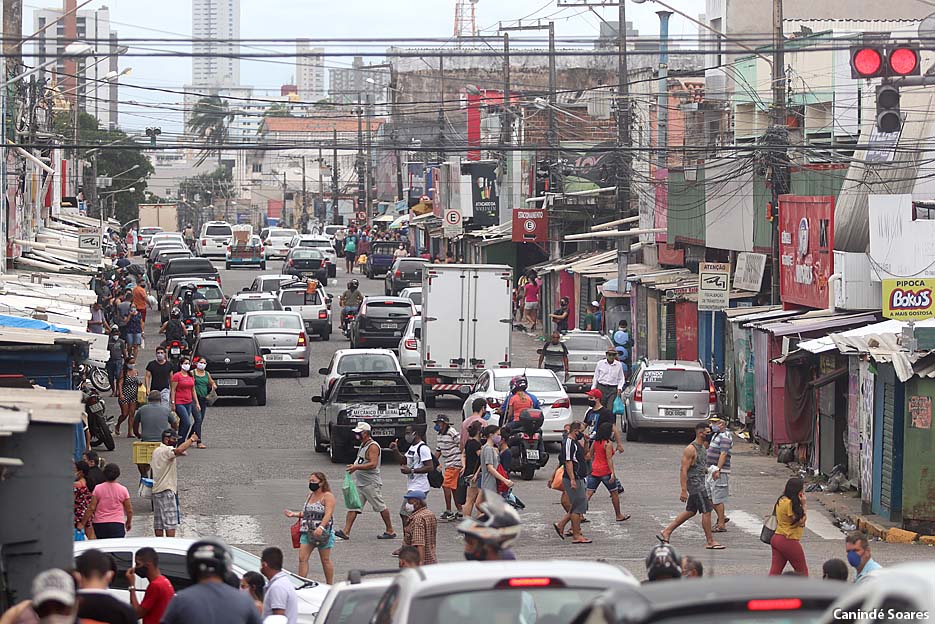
449, 445
720, 443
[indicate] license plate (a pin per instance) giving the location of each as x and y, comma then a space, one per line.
582, 380
466, 381
387, 325
274, 357
385, 433
226, 382
532, 454
675, 412
175, 351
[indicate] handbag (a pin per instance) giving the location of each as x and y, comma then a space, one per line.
502, 487
295, 529
555, 482
211, 397
770, 523
436, 478
351, 497
79, 535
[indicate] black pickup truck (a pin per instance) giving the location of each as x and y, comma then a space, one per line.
187, 267
384, 400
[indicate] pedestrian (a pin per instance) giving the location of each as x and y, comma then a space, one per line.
573, 483
123, 307
316, 525
254, 584
479, 414
110, 511
134, 332
858, 555
490, 539
791, 516
210, 600
694, 494
82, 495
128, 387
554, 354
279, 597
609, 378
408, 557
602, 469
116, 353
96, 323
560, 316
369, 481
159, 591
400, 252
141, 300
470, 459
416, 464
166, 512
663, 563
94, 475
422, 528
718, 455
834, 570
183, 400
598, 415
159, 375
150, 421
448, 453
531, 300
204, 385
589, 320
350, 251
692, 568
53, 601
598, 316
489, 460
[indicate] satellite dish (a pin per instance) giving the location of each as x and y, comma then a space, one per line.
927, 32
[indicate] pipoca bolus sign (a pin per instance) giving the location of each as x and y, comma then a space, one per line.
908, 299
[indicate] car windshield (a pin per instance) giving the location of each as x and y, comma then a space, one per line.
314, 243
366, 363
255, 305
218, 230
675, 380
273, 321
210, 292
150, 230
389, 309
251, 563
537, 383
356, 605
415, 297
331, 230
306, 254
282, 234
300, 298
529, 606
224, 345
587, 343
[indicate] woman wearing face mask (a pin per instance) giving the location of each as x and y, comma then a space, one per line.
315, 525
470, 459
127, 387
490, 459
82, 494
183, 400
253, 584
790, 524
204, 384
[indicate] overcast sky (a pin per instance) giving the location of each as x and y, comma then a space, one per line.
289, 19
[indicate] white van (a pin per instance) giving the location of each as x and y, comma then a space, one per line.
214, 238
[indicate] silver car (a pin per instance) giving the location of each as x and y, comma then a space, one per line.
413, 293
281, 336
668, 394
585, 350
410, 349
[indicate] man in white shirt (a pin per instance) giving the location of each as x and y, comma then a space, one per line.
609, 378
279, 597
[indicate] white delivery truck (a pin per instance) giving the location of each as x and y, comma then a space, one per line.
466, 325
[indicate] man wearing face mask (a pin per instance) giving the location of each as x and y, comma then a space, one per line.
422, 527
719, 449
366, 471
609, 378
166, 482
158, 374
858, 555
159, 591
597, 415
415, 464
95, 571
490, 539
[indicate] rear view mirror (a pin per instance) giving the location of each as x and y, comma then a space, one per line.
316, 399
288, 308
322, 371
329, 298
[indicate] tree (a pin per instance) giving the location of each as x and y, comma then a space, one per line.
210, 123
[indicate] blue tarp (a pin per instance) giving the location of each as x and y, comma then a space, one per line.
28, 323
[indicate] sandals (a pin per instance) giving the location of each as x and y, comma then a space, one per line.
716, 547
661, 538
340, 533
719, 530
582, 541
558, 530
385, 536
624, 518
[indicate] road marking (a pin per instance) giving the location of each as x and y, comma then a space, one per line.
820, 525
748, 523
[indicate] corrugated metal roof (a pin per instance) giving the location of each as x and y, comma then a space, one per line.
807, 325
857, 339
41, 405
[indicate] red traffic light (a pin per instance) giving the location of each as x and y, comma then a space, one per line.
866, 62
903, 61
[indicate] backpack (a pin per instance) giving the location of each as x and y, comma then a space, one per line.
436, 478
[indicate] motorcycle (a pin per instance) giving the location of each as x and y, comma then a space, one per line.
346, 320
99, 426
524, 438
175, 349
93, 372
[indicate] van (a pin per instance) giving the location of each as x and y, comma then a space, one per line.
214, 238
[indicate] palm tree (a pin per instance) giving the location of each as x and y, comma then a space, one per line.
210, 122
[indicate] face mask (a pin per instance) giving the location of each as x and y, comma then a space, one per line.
578, 435
409, 507
140, 570
160, 357
610, 358
202, 365
409, 437
313, 487
186, 367
592, 402
131, 366
438, 428
497, 439
473, 555
486, 415
853, 558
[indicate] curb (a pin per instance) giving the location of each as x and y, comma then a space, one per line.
891, 535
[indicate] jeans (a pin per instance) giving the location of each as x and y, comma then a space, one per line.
187, 412
787, 550
113, 372
199, 421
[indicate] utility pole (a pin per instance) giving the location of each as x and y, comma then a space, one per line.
283, 213
361, 185
553, 136
506, 137
304, 196
394, 135
335, 217
777, 142
441, 110
624, 143
321, 213
368, 169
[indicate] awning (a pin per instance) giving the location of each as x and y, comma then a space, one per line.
387, 218
805, 325
399, 223
862, 339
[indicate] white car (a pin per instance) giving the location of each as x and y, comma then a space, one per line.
214, 238
493, 385
164, 237
414, 294
146, 234
172, 552
901, 592
357, 361
410, 349
276, 240
321, 243
352, 600
242, 303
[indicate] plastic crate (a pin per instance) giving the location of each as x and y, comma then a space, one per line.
143, 451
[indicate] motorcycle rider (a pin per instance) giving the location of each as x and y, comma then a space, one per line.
490, 539
189, 235
350, 301
519, 400
189, 307
174, 329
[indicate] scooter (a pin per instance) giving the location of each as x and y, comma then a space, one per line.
526, 444
98, 424
175, 350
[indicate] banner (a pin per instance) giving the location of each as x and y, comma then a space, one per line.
908, 299
806, 246
415, 180
530, 225
484, 191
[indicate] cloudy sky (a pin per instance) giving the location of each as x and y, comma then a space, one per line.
290, 19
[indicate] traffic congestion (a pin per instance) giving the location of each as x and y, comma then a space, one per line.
319, 439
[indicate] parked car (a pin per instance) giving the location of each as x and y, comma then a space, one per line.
321, 243
585, 350
269, 283
494, 386
307, 261
410, 350
242, 303
313, 307
503, 591
380, 258
213, 303
414, 294
172, 552
235, 361
276, 241
250, 253
282, 337
214, 238
385, 400
353, 600
187, 267
162, 259
380, 322
668, 394
404, 273
357, 361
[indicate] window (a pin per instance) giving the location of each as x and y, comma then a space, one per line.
124, 561
675, 380
389, 309
411, 265
212, 293
257, 167
273, 321
300, 298
416, 297
559, 605
483, 383
307, 254
354, 606
172, 566
314, 243
536, 384
366, 363
218, 230
221, 346
242, 306
587, 343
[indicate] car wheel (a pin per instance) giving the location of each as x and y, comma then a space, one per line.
261, 396
429, 399
633, 434
263, 266
304, 371
227, 265
320, 447
326, 335
529, 471
337, 453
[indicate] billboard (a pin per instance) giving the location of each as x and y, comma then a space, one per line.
806, 249
908, 299
530, 225
484, 191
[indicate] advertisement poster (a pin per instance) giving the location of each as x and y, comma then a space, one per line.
415, 182
530, 225
484, 191
920, 412
908, 299
806, 249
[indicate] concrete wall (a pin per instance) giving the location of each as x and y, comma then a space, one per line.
753, 16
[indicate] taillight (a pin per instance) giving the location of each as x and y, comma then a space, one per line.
638, 392
218, 279
712, 392
529, 582
433, 380
493, 403
774, 604
291, 263
562, 403
302, 339
257, 362
398, 274
204, 241
158, 265
227, 322
322, 314
175, 343
176, 302
411, 344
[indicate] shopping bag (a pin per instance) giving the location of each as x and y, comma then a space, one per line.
146, 488
79, 535
619, 407
556, 481
141, 394
351, 497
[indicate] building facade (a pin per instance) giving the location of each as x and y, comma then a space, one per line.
215, 29
309, 71
348, 85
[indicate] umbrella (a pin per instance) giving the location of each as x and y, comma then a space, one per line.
399, 223
384, 219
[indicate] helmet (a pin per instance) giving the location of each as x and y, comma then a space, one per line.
518, 383
500, 528
208, 556
114, 327
663, 562
175, 312
353, 284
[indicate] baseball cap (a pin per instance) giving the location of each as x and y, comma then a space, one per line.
169, 433
595, 304
594, 392
442, 418
361, 427
417, 494
55, 585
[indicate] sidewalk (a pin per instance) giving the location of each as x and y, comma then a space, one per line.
847, 507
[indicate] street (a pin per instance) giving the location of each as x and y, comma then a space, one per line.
258, 460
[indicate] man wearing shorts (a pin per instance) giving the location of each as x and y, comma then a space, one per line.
694, 493
448, 453
719, 456
166, 513
366, 471
573, 483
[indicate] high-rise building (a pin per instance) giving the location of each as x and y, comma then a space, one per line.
309, 71
215, 31
90, 85
352, 84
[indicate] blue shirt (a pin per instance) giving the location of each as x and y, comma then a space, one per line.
869, 567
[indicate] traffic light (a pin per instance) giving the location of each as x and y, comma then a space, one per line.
152, 133
889, 119
886, 61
